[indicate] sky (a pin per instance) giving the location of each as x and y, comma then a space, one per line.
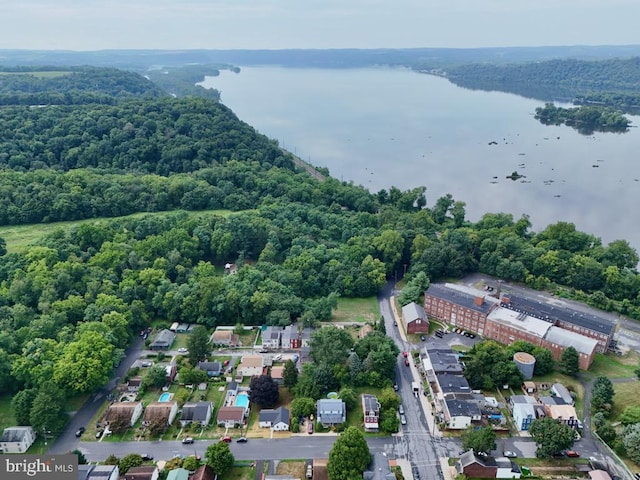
277, 24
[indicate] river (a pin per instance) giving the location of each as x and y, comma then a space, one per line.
383, 127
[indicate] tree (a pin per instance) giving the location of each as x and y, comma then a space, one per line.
112, 460
219, 457
302, 407
607, 433
348, 396
389, 421
630, 415
156, 376
48, 411
198, 345
263, 391
544, 361
82, 460
191, 463
129, 461
480, 440
330, 345
191, 376
389, 399
551, 436
290, 374
21, 405
570, 362
602, 394
349, 456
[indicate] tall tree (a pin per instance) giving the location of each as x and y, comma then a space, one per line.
48, 412
263, 391
330, 345
551, 436
602, 394
129, 461
21, 404
198, 345
290, 374
219, 458
570, 362
349, 456
480, 440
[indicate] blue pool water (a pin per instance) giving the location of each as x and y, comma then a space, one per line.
242, 401
165, 397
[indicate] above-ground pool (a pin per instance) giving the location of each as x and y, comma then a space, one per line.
165, 397
242, 400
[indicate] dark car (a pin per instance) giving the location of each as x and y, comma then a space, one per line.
187, 440
406, 362
423, 338
146, 457
242, 440
395, 387
79, 432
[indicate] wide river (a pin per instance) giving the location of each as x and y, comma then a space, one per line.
381, 127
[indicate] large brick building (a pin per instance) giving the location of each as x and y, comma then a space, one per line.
511, 319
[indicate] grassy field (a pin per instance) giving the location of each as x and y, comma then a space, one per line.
21, 236
626, 396
245, 472
355, 310
612, 366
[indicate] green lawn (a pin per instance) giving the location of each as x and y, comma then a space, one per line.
356, 310
612, 366
626, 396
6, 412
239, 472
21, 236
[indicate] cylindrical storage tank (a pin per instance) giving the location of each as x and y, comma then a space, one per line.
526, 363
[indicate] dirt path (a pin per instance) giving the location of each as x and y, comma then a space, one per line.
308, 167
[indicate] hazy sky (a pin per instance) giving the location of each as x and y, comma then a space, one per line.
253, 24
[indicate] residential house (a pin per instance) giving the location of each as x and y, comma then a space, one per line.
563, 413
275, 419
171, 371
379, 469
141, 473
205, 472
271, 337
277, 373
331, 411
441, 360
134, 384
320, 469
98, 472
230, 417
183, 328
130, 411
523, 415
448, 383
415, 318
290, 338
225, 337
17, 439
601, 475
178, 474
165, 411
163, 340
460, 410
547, 400
529, 387
232, 391
471, 465
371, 412
561, 391
250, 365
213, 369
196, 412
522, 399
305, 337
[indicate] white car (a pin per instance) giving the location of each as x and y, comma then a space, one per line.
509, 454
182, 350
403, 420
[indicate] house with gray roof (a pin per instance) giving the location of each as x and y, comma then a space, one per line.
17, 439
276, 419
461, 411
271, 337
452, 383
415, 318
561, 391
379, 468
371, 412
163, 340
331, 411
178, 474
98, 472
213, 369
196, 412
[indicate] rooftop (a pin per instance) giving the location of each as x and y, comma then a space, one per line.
412, 311
461, 295
250, 361
452, 383
519, 321
567, 338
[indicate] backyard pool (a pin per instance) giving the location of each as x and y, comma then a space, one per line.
242, 400
165, 397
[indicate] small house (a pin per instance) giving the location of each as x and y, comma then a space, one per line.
371, 412
17, 439
98, 472
134, 384
561, 391
275, 419
331, 411
250, 365
230, 417
415, 318
163, 340
165, 411
225, 337
196, 412
130, 411
277, 373
142, 473
213, 369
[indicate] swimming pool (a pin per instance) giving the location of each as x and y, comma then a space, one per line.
165, 397
242, 400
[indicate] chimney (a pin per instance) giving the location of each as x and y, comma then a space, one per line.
478, 301
505, 300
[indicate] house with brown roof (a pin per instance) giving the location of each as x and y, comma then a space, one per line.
320, 469
141, 473
160, 410
250, 365
134, 384
225, 337
563, 413
205, 472
131, 411
230, 417
277, 373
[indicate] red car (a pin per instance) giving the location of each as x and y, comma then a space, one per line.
406, 362
226, 439
225, 363
572, 453
405, 354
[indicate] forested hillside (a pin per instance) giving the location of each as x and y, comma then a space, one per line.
614, 82
70, 304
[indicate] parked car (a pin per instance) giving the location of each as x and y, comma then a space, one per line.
242, 440
423, 338
403, 420
309, 427
187, 440
182, 350
509, 454
401, 409
79, 432
146, 457
406, 362
225, 363
147, 363
395, 387
395, 324
405, 354
572, 453
226, 439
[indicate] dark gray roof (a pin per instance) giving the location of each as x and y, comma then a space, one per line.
379, 468
444, 360
232, 386
554, 313
443, 292
210, 366
547, 400
331, 411
370, 403
14, 434
196, 412
164, 338
274, 416
452, 383
412, 311
462, 408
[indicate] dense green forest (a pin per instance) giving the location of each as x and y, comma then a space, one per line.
585, 119
70, 304
614, 82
